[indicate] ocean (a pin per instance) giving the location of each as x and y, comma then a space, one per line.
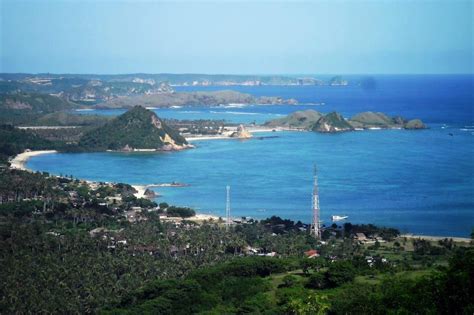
418, 181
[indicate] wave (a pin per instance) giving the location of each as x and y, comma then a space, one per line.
234, 113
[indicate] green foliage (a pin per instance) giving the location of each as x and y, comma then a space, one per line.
237, 285
137, 128
340, 272
68, 119
14, 141
20, 209
444, 292
288, 281
311, 304
317, 280
183, 212
34, 102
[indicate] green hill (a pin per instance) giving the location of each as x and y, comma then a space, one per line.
332, 122
68, 119
371, 119
380, 120
138, 128
300, 119
34, 102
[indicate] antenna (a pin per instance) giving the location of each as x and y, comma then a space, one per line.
315, 224
227, 208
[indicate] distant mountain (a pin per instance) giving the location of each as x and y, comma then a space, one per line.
138, 128
334, 122
34, 102
193, 98
69, 119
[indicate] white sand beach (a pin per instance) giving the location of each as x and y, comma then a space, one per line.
19, 161
437, 238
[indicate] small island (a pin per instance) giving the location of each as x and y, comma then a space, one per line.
333, 122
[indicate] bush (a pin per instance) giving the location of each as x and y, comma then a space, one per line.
339, 273
180, 212
288, 281
317, 281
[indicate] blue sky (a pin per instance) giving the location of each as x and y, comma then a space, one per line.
261, 37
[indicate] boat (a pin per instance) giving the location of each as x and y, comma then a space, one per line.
339, 217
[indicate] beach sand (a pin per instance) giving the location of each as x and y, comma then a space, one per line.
19, 161
436, 238
226, 135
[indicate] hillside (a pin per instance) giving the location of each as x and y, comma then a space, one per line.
138, 128
68, 119
192, 98
300, 119
14, 141
334, 122
33, 102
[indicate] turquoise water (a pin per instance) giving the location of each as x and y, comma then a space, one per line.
418, 181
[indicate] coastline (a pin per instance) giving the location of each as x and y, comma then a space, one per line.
436, 238
227, 135
19, 161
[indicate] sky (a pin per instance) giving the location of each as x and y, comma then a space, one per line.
238, 37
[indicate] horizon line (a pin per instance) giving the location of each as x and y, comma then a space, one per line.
234, 74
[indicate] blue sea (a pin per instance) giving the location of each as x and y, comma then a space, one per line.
418, 181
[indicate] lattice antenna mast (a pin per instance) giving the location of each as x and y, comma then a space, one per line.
227, 208
315, 224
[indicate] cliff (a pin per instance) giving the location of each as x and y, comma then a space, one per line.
138, 128
332, 122
241, 133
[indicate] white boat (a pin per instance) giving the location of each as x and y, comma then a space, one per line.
339, 217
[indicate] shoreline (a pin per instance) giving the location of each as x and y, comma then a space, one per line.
436, 238
227, 136
20, 160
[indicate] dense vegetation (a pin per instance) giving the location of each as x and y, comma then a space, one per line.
277, 286
68, 119
14, 141
137, 128
67, 246
34, 102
